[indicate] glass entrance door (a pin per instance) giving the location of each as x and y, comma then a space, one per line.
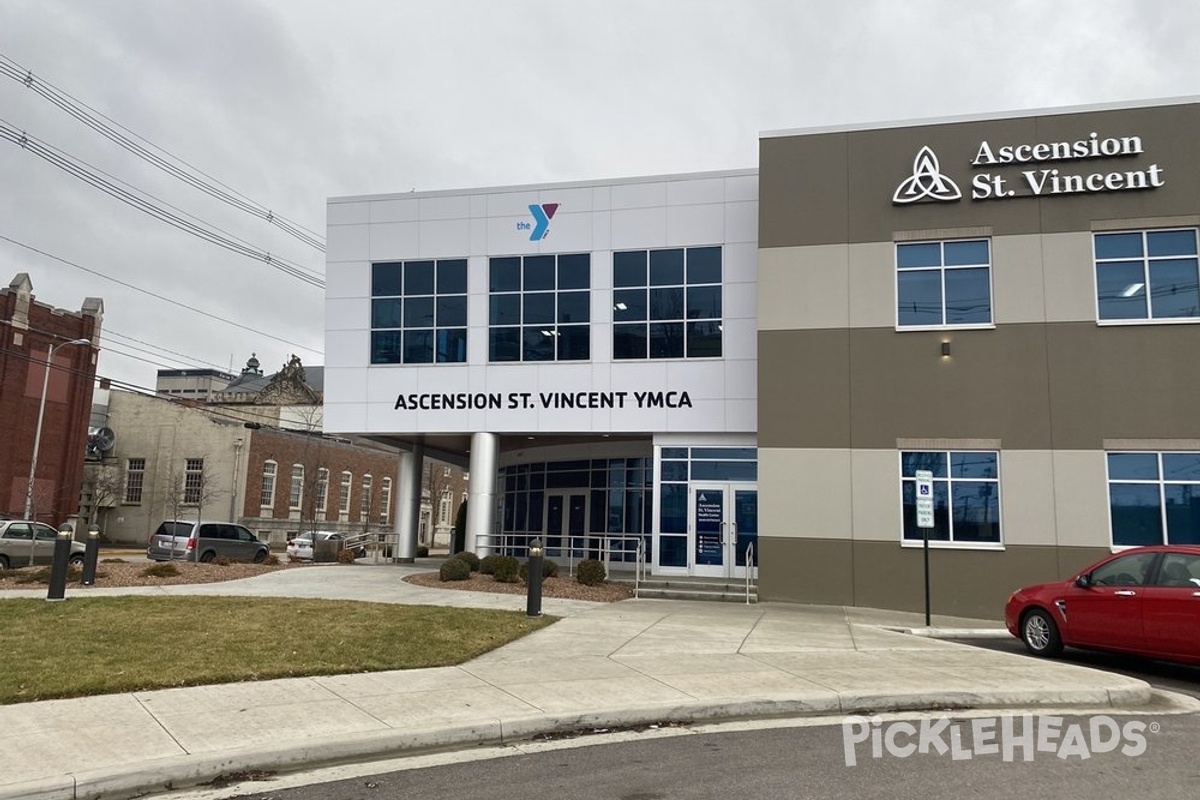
566, 523
724, 524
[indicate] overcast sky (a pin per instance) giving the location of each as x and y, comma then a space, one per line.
289, 102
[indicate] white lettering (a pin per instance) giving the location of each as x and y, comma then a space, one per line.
900, 751
1135, 733
1097, 726
1011, 740
932, 735
1048, 732
983, 735
855, 730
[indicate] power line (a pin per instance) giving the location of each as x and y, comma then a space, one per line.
182, 357
157, 296
210, 234
95, 120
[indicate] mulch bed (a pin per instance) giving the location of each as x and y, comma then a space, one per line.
565, 588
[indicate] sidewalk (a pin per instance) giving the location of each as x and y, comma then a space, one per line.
634, 662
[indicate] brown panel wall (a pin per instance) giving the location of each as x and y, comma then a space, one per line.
802, 191
803, 388
802, 203
806, 571
1059, 386
965, 583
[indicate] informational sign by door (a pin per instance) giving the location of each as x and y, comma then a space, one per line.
924, 498
710, 514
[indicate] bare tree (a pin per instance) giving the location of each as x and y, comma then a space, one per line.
188, 484
102, 485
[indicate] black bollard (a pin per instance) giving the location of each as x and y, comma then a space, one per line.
533, 601
90, 556
58, 567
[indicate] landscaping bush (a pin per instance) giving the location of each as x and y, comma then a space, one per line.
164, 570
549, 570
506, 569
272, 560
454, 569
112, 561
222, 561
469, 558
422, 551
487, 565
590, 572
346, 556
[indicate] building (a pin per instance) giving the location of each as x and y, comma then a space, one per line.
173, 459
759, 367
191, 384
47, 369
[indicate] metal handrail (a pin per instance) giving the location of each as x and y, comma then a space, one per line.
749, 568
638, 563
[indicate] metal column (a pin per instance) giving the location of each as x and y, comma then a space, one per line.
481, 494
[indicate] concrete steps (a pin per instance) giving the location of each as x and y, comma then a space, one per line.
732, 590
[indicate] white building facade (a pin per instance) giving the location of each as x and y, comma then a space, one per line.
587, 350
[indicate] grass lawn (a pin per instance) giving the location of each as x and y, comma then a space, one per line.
104, 645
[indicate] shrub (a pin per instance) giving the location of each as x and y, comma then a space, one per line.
549, 570
346, 556
112, 561
487, 565
164, 570
506, 569
590, 572
272, 560
422, 551
43, 575
469, 558
454, 569
222, 561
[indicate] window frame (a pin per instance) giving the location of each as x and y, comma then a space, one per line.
364, 501
949, 480
321, 501
1161, 483
130, 474
1146, 260
650, 319
942, 268
345, 488
523, 327
193, 481
296, 491
385, 499
436, 331
270, 473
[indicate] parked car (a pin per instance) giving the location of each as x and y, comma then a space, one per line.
301, 547
20, 537
204, 541
1144, 601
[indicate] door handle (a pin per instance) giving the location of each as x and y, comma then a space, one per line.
1125, 593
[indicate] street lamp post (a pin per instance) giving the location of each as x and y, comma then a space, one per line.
37, 436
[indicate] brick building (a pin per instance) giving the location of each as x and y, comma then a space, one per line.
31, 332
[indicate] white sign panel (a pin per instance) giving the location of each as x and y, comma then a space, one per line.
924, 498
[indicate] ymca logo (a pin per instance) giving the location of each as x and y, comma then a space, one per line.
926, 181
541, 221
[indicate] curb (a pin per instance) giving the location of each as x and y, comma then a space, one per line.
177, 772
954, 633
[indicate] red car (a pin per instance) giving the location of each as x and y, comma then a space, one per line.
1144, 601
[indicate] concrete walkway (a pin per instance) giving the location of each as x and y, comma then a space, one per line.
634, 662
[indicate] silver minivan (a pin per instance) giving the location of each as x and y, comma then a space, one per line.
204, 541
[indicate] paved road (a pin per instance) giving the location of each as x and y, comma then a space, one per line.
1172, 677
806, 763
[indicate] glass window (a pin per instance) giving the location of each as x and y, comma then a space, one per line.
966, 495
296, 496
344, 493
667, 303
943, 284
539, 308
135, 477
322, 489
419, 312
1154, 498
1146, 275
268, 484
1131, 570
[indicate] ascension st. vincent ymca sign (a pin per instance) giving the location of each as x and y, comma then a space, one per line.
929, 184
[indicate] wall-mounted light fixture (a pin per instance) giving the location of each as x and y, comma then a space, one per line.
945, 349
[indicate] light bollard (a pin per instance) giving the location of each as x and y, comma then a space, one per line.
533, 600
90, 556
58, 567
